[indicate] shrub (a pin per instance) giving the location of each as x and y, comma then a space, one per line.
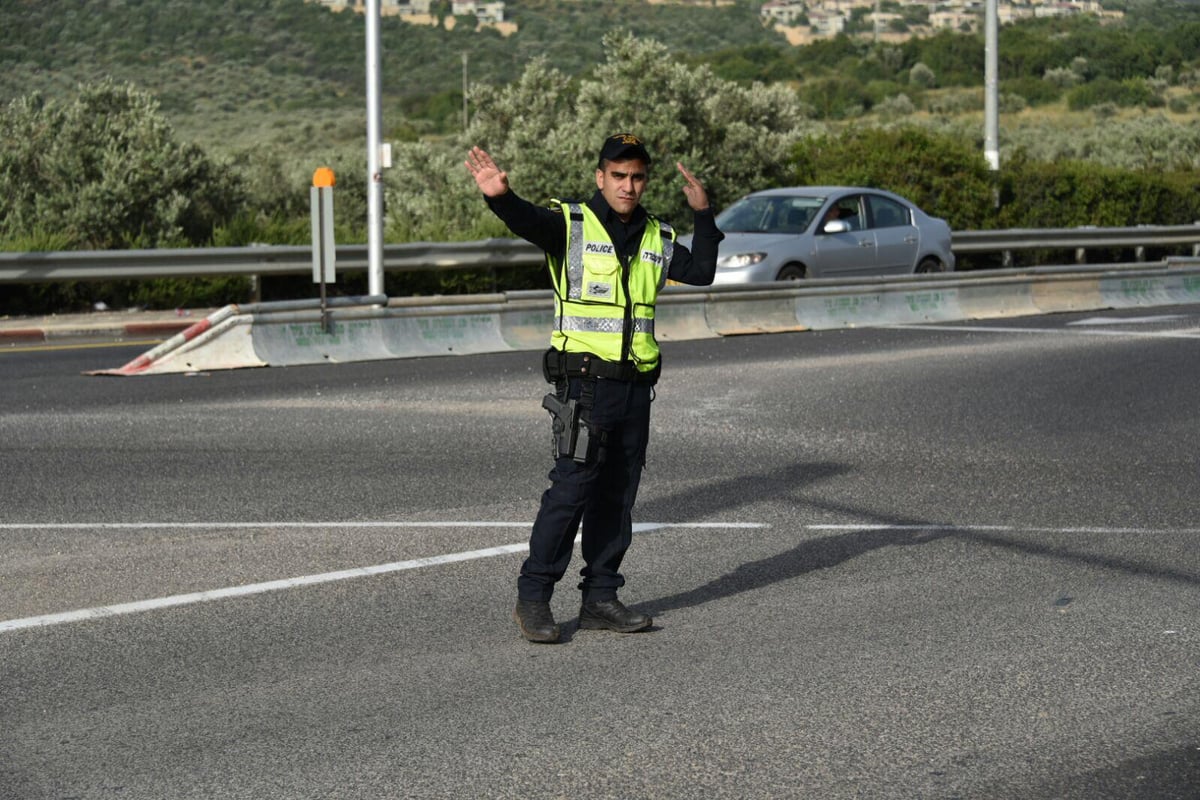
106, 171
1127, 93
944, 175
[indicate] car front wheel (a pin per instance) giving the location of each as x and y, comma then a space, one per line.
791, 272
930, 265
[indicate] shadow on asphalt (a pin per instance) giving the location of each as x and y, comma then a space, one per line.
811, 555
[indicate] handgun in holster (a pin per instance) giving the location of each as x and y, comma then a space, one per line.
571, 433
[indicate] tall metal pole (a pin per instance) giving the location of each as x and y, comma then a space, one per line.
991, 98
465, 117
374, 156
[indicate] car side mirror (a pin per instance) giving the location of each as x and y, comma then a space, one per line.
836, 226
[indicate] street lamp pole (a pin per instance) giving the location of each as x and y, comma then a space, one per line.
991, 98
374, 156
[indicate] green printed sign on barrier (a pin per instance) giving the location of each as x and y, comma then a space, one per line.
925, 301
455, 328
312, 334
850, 304
1141, 287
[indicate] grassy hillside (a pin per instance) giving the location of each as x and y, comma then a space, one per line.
287, 76
233, 73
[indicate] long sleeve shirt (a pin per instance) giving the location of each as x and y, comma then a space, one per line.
544, 227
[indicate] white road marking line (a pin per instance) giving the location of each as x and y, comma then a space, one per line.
252, 588
871, 526
309, 580
450, 558
637, 526
1059, 331
1127, 320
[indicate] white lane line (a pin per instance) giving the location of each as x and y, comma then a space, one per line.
249, 525
1058, 331
325, 577
252, 588
1127, 320
871, 526
36, 526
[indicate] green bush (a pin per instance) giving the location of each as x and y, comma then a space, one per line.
1035, 91
106, 172
1064, 194
944, 175
835, 97
1126, 94
1069, 194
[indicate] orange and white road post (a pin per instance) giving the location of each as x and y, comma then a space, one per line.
324, 250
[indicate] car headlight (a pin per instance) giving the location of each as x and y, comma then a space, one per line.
740, 260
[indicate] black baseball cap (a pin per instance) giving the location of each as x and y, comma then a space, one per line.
623, 147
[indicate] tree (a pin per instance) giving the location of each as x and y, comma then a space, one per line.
545, 130
735, 138
105, 171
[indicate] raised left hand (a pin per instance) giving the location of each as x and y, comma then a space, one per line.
696, 196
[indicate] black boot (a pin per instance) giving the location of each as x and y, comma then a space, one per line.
612, 615
536, 621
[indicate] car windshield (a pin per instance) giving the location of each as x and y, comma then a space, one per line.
770, 214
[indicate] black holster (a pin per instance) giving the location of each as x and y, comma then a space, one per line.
571, 434
571, 421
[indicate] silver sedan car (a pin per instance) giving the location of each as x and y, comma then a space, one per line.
828, 232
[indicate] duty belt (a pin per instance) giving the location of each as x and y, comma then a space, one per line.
557, 365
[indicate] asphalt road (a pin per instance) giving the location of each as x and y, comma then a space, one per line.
948, 562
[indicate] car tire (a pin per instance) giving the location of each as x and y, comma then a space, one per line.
929, 265
791, 272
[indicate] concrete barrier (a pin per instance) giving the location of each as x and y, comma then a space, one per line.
1168, 288
758, 311
300, 339
680, 316
1069, 294
287, 334
994, 299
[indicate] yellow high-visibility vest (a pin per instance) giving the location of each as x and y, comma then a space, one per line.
598, 309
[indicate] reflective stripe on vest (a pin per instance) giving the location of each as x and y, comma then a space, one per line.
602, 324
575, 253
668, 245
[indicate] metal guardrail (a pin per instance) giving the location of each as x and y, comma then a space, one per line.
255, 260
1088, 237
295, 260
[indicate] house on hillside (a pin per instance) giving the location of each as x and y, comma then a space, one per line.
826, 23
784, 12
957, 19
484, 12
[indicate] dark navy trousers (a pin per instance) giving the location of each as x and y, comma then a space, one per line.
599, 494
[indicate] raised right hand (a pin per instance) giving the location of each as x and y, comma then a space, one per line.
491, 181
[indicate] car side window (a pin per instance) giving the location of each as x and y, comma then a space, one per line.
887, 213
850, 211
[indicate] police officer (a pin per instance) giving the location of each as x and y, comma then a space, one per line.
608, 258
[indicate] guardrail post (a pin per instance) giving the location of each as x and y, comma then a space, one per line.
1080, 255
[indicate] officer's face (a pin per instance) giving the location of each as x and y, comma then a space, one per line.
622, 184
